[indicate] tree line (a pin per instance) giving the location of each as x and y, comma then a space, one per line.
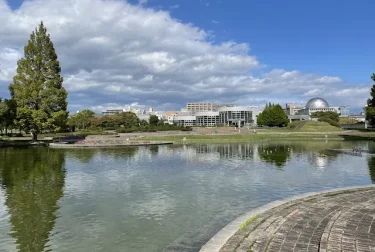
124, 122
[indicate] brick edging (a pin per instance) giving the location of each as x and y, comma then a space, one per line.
220, 238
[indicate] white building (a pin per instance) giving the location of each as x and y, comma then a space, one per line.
226, 116
318, 105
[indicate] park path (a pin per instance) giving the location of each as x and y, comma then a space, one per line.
335, 221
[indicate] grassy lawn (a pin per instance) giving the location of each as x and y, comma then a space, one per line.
311, 126
346, 120
315, 126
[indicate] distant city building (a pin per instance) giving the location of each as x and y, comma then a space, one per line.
112, 111
318, 105
187, 121
292, 109
200, 114
228, 116
207, 118
344, 111
295, 112
314, 105
204, 106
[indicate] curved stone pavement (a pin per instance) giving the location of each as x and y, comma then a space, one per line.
334, 221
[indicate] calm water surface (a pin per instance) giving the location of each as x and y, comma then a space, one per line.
171, 198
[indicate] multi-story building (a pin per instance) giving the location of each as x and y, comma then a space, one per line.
226, 116
187, 121
195, 107
207, 118
238, 116
112, 111
292, 109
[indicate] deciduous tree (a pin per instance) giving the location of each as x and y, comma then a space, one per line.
154, 120
273, 116
370, 109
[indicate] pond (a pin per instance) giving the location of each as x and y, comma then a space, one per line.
171, 198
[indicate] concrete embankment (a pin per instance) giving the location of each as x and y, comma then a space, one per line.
106, 144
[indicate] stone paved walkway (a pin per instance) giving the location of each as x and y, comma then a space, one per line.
337, 221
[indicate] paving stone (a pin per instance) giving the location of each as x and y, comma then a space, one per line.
339, 221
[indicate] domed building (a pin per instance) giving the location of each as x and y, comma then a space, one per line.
318, 105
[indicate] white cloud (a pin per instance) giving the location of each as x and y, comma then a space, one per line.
215, 22
112, 52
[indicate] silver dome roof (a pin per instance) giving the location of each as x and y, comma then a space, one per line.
317, 103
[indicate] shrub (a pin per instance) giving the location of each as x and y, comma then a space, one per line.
328, 114
330, 121
186, 129
92, 132
125, 130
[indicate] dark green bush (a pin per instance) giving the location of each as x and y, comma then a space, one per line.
328, 114
330, 121
186, 129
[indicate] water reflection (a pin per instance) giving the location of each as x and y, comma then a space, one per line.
34, 184
142, 199
371, 167
274, 154
86, 155
154, 149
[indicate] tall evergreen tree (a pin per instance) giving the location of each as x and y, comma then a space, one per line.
37, 86
370, 109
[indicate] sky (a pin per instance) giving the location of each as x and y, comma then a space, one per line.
165, 53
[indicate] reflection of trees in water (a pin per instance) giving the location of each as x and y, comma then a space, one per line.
274, 154
154, 149
86, 155
316, 151
371, 168
34, 181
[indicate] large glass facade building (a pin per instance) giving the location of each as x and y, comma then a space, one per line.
238, 116
226, 116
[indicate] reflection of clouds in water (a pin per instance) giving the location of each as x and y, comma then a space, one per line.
3, 208
155, 206
318, 160
6, 242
